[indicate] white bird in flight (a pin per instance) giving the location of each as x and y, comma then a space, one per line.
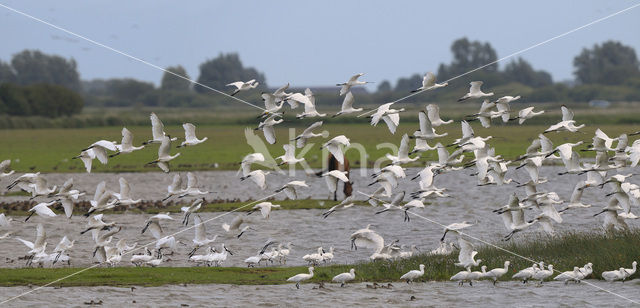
353, 81
347, 105
157, 130
163, 154
126, 145
429, 83
243, 86
475, 91
190, 138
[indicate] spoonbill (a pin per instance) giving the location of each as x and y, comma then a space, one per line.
496, 273
301, 277
344, 277
335, 147
429, 83
289, 156
192, 187
5, 167
353, 81
403, 153
126, 145
243, 86
347, 106
410, 276
157, 130
264, 207
190, 138
567, 123
475, 91
290, 189
345, 204
301, 140
163, 154
200, 235
42, 209
187, 210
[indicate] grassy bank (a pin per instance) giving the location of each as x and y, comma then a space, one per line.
154, 207
606, 252
51, 150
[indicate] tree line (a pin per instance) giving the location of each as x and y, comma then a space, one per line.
34, 83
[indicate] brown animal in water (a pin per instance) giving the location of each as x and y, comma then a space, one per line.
334, 164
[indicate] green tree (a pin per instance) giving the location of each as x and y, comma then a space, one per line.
521, 71
384, 87
610, 63
405, 85
14, 99
171, 82
468, 55
127, 91
33, 66
224, 69
6, 73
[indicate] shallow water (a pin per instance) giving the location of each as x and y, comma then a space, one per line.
430, 294
306, 229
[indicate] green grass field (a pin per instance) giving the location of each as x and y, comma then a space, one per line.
605, 251
51, 150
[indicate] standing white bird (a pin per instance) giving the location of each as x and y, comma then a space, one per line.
496, 273
301, 277
613, 275
301, 139
243, 86
190, 138
347, 106
429, 83
570, 275
412, 275
126, 145
163, 154
289, 156
353, 81
475, 91
344, 277
336, 147
526, 274
290, 189
157, 130
543, 274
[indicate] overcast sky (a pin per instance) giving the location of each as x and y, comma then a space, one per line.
309, 43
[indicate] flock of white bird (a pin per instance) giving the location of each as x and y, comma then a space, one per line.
490, 168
